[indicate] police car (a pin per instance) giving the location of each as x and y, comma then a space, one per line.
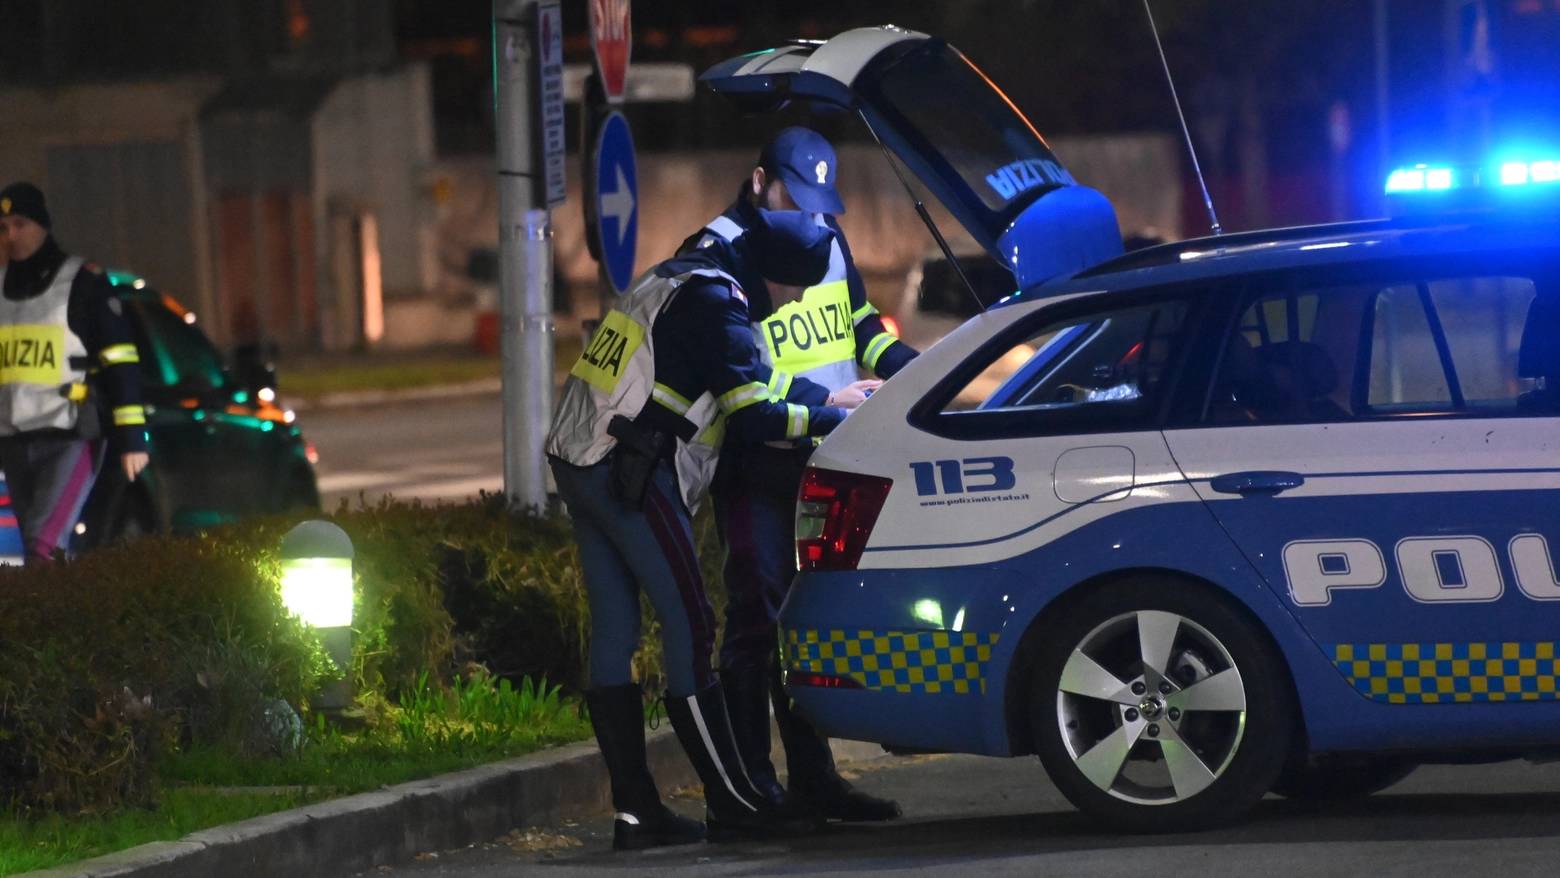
1260, 512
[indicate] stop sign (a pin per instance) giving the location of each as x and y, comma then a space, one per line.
611, 38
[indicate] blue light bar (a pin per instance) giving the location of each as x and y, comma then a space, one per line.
1430, 178
1523, 173
1420, 178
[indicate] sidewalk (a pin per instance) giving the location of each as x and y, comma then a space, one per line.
393, 825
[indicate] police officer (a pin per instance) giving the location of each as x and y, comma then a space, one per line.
823, 337
63, 344
633, 447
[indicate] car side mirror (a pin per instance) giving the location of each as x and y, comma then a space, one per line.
253, 369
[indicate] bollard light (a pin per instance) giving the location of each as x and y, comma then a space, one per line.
317, 574
317, 587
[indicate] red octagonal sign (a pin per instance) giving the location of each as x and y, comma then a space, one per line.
611, 37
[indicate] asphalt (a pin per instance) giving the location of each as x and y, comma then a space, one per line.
431, 449
975, 816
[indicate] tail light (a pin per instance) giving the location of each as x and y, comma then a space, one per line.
835, 512
820, 681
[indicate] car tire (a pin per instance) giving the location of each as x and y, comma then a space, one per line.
303, 491
132, 519
1340, 778
1123, 729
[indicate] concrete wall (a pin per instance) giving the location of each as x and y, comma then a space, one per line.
679, 192
152, 115
373, 152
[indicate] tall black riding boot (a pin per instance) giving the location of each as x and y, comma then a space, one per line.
812, 778
747, 704
733, 808
642, 821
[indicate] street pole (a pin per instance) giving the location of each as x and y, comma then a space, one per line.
525, 259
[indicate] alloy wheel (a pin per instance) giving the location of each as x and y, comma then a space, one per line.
1151, 707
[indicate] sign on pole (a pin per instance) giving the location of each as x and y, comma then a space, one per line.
611, 38
617, 201
553, 184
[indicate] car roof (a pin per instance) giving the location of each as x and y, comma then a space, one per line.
1304, 246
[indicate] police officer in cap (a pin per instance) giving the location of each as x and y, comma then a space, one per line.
633, 447
824, 336
64, 345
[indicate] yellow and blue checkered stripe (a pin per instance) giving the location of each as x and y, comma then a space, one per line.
897, 661
1442, 673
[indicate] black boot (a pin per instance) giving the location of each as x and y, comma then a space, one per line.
642, 821
733, 808
747, 704
813, 780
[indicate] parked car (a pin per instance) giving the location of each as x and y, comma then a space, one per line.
220, 446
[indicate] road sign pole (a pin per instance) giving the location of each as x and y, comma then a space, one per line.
525, 256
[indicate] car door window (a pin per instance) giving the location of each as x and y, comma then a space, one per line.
1448, 344
1099, 371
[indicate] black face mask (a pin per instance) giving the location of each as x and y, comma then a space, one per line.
28, 277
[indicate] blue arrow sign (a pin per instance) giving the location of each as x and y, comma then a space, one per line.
617, 200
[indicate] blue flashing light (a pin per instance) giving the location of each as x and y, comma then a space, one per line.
1406, 180
1428, 178
1420, 178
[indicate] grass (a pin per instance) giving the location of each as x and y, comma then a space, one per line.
313, 380
54, 840
432, 731
366, 373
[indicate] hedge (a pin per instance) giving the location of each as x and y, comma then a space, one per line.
110, 660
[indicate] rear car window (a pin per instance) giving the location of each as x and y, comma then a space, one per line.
1104, 370
182, 356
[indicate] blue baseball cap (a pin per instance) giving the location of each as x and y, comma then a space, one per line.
805, 162
788, 247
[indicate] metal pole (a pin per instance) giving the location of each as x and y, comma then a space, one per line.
525, 259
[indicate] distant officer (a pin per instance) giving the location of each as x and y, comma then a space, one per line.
63, 345
633, 447
822, 337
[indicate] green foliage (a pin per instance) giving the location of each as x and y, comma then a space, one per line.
180, 645
56, 839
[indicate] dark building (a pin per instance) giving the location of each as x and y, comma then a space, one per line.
263, 160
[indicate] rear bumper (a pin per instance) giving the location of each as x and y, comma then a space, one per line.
922, 651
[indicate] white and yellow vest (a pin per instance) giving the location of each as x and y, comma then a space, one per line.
41, 361
815, 337
616, 376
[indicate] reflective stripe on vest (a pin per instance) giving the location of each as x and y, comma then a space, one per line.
813, 338
615, 375
40, 358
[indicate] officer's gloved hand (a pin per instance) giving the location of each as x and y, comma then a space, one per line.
855, 394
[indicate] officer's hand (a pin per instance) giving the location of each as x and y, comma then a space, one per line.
134, 462
855, 394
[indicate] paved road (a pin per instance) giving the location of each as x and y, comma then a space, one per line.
968, 815
438, 450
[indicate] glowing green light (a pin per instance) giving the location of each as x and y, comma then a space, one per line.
318, 590
928, 611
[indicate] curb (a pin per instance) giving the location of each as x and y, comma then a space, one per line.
394, 824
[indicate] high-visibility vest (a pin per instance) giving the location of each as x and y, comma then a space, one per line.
814, 337
615, 375
43, 365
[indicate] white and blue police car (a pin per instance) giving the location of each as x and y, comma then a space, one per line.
1261, 512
